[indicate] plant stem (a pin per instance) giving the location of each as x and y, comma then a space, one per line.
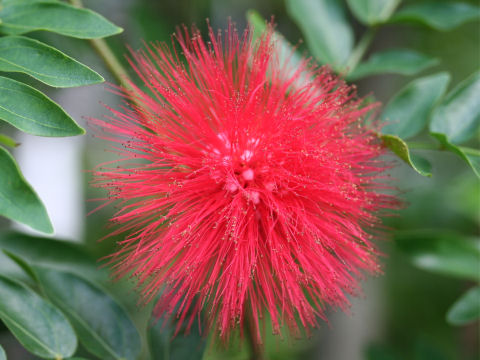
108, 57
361, 48
256, 349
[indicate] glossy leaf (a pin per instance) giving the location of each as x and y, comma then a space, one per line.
470, 156
458, 116
328, 33
439, 15
400, 148
442, 252
31, 111
394, 61
3, 356
373, 12
20, 18
466, 309
7, 141
164, 345
19, 201
58, 254
44, 63
408, 112
103, 327
39, 326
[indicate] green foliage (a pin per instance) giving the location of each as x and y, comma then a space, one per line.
19, 201
393, 61
372, 12
23, 17
7, 141
438, 15
3, 356
407, 113
32, 112
44, 63
39, 326
326, 29
103, 327
466, 309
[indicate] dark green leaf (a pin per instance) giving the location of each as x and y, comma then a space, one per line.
29, 110
400, 148
442, 252
44, 63
326, 29
3, 356
39, 326
103, 327
470, 156
19, 201
7, 141
21, 18
58, 254
373, 12
408, 112
458, 116
439, 15
466, 309
164, 345
395, 61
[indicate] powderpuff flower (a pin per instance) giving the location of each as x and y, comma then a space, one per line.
245, 185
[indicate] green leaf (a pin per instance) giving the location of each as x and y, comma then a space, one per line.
3, 356
164, 345
400, 148
21, 18
442, 252
408, 112
286, 52
439, 15
372, 12
19, 201
7, 141
470, 156
394, 61
103, 327
58, 254
44, 63
31, 111
466, 309
328, 33
39, 326
458, 116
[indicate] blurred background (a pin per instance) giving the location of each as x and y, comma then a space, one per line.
401, 314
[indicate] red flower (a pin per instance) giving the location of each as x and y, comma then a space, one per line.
244, 186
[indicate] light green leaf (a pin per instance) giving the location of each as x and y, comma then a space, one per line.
394, 61
21, 18
31, 111
44, 63
328, 33
103, 327
442, 252
58, 254
458, 116
3, 356
466, 309
372, 12
408, 112
400, 148
7, 141
39, 326
470, 156
18, 201
439, 15
165, 346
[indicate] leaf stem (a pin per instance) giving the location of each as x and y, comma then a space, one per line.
361, 48
108, 57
